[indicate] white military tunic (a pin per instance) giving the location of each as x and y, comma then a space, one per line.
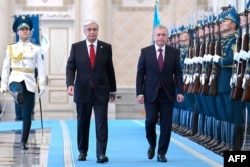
23, 58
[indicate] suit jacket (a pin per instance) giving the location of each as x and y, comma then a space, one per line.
150, 78
80, 74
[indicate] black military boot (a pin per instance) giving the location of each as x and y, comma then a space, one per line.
222, 137
194, 123
25, 135
236, 137
228, 140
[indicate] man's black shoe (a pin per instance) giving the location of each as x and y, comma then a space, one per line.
24, 146
161, 158
151, 152
102, 159
82, 157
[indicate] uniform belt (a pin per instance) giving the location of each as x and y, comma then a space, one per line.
229, 66
26, 70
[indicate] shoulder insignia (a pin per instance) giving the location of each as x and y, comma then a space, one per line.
234, 48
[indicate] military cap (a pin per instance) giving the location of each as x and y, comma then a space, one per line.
211, 19
200, 24
174, 31
21, 22
232, 15
206, 21
181, 29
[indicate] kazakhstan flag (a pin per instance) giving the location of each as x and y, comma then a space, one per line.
157, 19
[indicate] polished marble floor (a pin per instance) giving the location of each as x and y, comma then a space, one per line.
12, 156
39, 140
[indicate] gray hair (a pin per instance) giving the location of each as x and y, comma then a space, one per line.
161, 27
88, 22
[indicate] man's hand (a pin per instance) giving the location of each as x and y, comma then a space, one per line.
180, 98
112, 97
140, 99
70, 90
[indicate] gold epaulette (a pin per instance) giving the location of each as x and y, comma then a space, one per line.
15, 58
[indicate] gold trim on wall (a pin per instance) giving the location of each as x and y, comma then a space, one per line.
118, 4
24, 6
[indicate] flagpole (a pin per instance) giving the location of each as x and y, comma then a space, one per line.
156, 19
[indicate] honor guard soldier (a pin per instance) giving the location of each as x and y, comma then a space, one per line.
226, 107
215, 127
244, 56
184, 113
178, 107
18, 73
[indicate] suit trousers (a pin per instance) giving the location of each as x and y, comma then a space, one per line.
164, 108
84, 112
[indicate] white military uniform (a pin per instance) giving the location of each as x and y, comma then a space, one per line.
22, 58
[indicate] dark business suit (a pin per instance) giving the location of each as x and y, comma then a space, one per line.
92, 88
159, 90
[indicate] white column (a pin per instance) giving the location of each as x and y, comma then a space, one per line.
6, 28
96, 10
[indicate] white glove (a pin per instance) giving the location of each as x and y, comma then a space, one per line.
205, 58
202, 79
199, 59
186, 60
243, 54
236, 57
209, 58
41, 93
191, 61
248, 54
194, 60
216, 58
245, 78
3, 89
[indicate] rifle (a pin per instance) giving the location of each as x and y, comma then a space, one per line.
213, 79
207, 67
239, 71
246, 84
188, 67
246, 79
195, 52
198, 67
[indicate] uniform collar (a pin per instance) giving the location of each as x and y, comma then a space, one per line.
23, 42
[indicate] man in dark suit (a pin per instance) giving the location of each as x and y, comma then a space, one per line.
92, 83
159, 77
